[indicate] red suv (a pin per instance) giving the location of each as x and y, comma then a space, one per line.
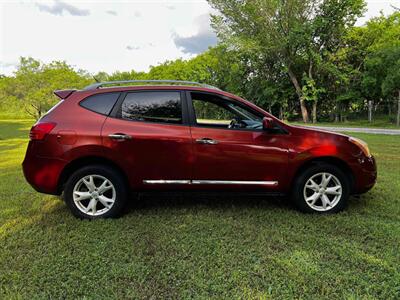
98, 144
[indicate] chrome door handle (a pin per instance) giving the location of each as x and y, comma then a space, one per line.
206, 141
120, 136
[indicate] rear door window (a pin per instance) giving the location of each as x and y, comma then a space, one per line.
157, 107
100, 103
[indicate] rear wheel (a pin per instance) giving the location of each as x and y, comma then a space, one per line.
322, 188
95, 192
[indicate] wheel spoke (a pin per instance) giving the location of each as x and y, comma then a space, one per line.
325, 201
105, 186
326, 178
107, 202
312, 185
335, 190
91, 206
94, 207
89, 183
312, 199
82, 196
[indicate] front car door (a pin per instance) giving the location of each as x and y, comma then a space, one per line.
231, 148
148, 135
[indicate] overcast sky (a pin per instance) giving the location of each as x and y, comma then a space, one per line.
111, 35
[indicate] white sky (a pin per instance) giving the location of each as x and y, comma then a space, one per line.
111, 35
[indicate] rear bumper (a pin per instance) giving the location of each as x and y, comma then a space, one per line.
43, 173
365, 175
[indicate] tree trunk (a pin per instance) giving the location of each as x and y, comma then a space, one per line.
299, 93
341, 112
377, 104
304, 112
370, 111
280, 112
398, 111
389, 108
314, 112
337, 113
39, 112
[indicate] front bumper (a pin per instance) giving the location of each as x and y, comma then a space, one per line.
365, 175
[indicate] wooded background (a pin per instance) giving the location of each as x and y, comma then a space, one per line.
299, 59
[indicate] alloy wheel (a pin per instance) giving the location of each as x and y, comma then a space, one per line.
322, 191
94, 195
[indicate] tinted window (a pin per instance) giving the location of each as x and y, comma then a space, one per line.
214, 111
153, 107
101, 103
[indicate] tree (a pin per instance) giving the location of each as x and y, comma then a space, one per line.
381, 65
34, 83
383, 70
297, 34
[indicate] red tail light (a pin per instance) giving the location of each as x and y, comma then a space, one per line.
40, 130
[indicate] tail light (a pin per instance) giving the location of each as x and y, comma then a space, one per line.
39, 131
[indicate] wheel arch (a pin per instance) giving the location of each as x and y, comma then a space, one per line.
81, 162
341, 164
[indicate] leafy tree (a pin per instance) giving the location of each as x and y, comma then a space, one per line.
381, 77
298, 34
34, 83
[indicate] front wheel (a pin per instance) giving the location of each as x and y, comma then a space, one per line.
322, 188
95, 192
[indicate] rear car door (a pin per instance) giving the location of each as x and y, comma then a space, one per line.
148, 134
230, 146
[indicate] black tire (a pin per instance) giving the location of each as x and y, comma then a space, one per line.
113, 176
297, 195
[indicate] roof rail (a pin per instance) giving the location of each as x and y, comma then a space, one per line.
97, 85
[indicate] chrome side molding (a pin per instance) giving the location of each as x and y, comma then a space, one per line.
238, 182
221, 182
166, 181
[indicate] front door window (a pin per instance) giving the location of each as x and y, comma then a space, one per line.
213, 111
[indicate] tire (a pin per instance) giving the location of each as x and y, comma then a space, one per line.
96, 191
323, 196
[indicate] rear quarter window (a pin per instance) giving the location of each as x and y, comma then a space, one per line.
100, 103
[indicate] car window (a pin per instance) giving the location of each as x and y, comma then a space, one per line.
101, 103
214, 111
165, 107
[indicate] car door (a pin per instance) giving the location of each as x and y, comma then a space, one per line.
230, 147
149, 137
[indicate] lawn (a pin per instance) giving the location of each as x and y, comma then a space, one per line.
193, 246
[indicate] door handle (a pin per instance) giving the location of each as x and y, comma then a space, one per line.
206, 141
120, 137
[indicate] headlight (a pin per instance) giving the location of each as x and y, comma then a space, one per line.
362, 145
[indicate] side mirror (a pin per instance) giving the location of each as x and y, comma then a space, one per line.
268, 123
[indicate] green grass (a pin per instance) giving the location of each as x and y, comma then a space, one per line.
13, 109
188, 246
